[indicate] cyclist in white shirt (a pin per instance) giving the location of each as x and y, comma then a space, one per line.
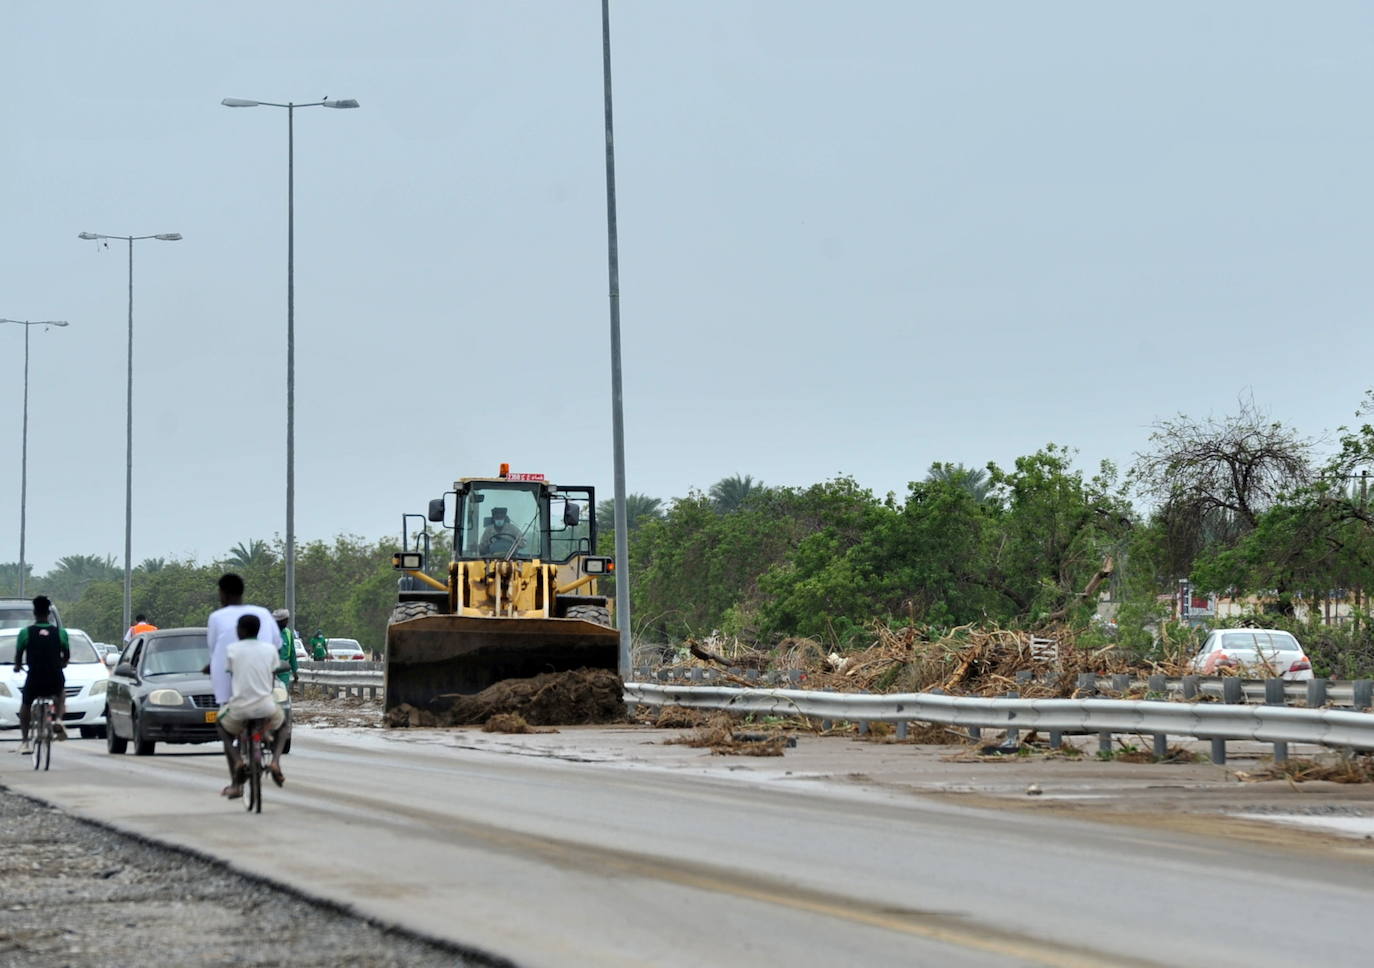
252, 667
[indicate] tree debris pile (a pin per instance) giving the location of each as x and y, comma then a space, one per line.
512, 723
580, 697
721, 736
966, 661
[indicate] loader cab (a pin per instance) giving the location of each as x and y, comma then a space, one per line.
522, 520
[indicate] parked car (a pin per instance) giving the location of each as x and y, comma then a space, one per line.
159, 694
344, 649
1254, 652
87, 678
17, 613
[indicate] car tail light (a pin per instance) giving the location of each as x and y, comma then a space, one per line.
1302, 665
1225, 660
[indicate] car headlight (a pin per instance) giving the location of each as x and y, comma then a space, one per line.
98, 687
279, 692
165, 697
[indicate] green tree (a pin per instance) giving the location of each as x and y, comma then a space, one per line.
639, 508
971, 479
729, 494
253, 554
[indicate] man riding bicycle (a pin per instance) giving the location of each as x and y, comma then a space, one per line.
252, 667
46, 647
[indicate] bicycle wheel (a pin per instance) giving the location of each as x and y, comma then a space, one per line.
39, 726
256, 773
48, 735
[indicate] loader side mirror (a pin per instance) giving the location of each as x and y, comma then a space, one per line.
436, 509
572, 514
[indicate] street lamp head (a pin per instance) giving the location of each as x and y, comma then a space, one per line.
88, 236
343, 103
168, 237
238, 102
56, 322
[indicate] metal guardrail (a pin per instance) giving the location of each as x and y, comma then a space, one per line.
343, 678
1217, 722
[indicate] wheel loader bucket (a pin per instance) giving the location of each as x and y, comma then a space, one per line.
444, 654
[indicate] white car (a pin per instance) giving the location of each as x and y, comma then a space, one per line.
86, 675
344, 650
1248, 651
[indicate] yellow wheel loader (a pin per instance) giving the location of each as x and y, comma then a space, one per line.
521, 596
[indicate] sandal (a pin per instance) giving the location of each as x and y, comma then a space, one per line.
278, 777
232, 792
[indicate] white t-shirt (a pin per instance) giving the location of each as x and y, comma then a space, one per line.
253, 667
223, 629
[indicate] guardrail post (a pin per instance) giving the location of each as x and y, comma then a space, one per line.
825, 725
1056, 739
1190, 687
1087, 684
1158, 684
1280, 751
1316, 693
1232, 691
1024, 676
1013, 736
902, 729
1104, 742
1363, 692
1161, 745
1218, 751
1273, 693
1121, 682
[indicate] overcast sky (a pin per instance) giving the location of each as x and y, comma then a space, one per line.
855, 238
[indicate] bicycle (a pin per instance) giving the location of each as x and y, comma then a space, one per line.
251, 742
41, 722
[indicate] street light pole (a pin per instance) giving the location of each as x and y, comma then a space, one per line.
344, 103
129, 418
24, 445
622, 537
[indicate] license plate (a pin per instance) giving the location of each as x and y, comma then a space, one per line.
211, 715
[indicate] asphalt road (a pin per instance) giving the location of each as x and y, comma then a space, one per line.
577, 854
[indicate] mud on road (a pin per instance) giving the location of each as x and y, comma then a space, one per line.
79, 895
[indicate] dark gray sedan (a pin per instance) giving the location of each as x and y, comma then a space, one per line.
158, 693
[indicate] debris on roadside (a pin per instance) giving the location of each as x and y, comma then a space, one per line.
1333, 768
720, 737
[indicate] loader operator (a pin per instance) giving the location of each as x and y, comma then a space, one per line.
500, 536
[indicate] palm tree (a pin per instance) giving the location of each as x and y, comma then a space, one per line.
638, 509
74, 573
250, 555
970, 479
151, 565
729, 493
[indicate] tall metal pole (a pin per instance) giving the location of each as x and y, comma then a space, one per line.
622, 537
129, 461
291, 361
24, 465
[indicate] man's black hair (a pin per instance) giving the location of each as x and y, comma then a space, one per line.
42, 606
248, 626
231, 584
140, 617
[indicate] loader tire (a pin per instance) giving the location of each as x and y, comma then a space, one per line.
599, 614
408, 610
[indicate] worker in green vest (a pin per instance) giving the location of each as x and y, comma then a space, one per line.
288, 647
319, 646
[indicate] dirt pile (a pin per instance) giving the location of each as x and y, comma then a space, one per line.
576, 698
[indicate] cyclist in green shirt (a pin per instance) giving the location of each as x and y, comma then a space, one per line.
46, 647
319, 646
